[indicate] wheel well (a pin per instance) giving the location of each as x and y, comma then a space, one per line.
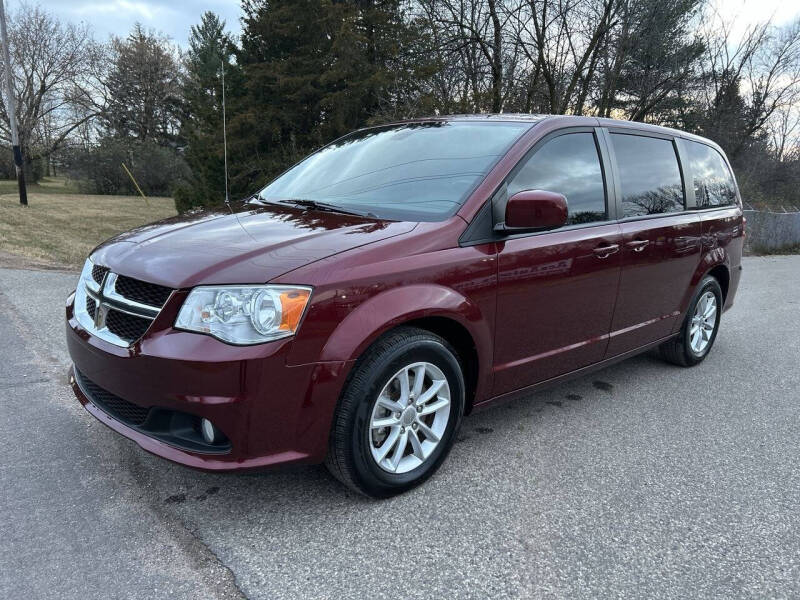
458, 337
720, 273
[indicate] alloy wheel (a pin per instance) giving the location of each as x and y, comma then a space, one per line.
703, 322
409, 417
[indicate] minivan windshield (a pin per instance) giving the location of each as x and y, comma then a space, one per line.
412, 171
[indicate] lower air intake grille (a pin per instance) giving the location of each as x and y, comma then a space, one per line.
122, 410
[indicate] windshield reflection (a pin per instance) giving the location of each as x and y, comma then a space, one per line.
412, 171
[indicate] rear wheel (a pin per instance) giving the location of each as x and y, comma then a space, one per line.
699, 329
399, 414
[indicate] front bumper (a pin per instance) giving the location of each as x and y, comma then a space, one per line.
270, 412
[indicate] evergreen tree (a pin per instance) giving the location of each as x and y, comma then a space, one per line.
313, 70
210, 50
660, 54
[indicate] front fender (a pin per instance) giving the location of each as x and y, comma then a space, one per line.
400, 305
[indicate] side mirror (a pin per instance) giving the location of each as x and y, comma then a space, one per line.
534, 209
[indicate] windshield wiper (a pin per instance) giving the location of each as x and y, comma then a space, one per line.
258, 199
324, 206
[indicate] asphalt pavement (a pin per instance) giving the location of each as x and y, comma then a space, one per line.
643, 480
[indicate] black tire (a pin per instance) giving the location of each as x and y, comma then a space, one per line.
679, 350
349, 456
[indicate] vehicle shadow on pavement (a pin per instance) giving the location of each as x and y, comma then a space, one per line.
183, 489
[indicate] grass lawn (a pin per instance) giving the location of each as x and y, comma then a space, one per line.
48, 185
59, 228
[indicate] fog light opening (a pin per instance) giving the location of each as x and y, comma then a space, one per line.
210, 433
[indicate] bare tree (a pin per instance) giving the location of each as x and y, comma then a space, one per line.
447, 82
747, 81
784, 132
475, 35
656, 59
562, 40
52, 77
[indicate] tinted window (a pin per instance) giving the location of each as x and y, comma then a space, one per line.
568, 165
649, 175
713, 182
418, 171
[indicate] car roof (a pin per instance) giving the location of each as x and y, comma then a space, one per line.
557, 121
566, 121
538, 118
501, 117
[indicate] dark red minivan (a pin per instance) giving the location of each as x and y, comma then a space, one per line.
402, 276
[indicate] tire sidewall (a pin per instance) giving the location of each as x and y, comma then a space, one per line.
709, 284
378, 481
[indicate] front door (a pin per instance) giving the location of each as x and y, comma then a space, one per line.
556, 289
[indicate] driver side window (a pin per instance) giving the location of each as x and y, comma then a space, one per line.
570, 165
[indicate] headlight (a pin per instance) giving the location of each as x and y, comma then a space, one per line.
244, 314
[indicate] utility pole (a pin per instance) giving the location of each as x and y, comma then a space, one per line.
12, 110
224, 131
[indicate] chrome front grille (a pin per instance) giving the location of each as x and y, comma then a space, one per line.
126, 326
98, 273
91, 307
117, 308
141, 291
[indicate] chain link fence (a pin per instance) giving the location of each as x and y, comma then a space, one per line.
772, 231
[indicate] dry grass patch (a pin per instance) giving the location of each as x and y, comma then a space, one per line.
61, 229
48, 185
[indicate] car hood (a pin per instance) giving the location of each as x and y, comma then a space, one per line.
247, 244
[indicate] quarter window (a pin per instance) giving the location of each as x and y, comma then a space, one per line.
713, 182
568, 165
649, 174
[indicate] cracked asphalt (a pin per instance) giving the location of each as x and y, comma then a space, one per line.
641, 480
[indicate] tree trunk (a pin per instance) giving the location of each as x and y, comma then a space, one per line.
497, 59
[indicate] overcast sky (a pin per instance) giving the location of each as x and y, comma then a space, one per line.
116, 17
175, 17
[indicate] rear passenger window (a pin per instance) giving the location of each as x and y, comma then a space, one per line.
568, 165
713, 182
649, 174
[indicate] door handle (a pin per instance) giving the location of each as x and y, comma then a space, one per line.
637, 245
605, 251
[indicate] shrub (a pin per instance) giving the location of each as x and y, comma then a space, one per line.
156, 168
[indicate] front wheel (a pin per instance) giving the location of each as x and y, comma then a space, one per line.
399, 414
699, 329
